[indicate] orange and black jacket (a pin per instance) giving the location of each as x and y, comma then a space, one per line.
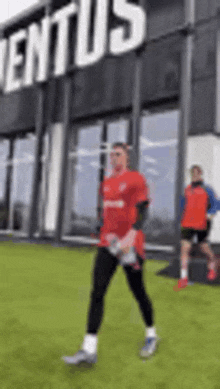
198, 201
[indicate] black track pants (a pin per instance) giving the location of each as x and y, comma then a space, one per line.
104, 269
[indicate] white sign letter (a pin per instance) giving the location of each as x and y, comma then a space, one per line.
14, 60
3, 50
83, 57
37, 47
137, 19
62, 18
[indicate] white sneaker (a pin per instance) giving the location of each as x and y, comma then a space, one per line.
149, 347
80, 357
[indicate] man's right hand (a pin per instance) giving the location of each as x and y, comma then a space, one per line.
114, 244
125, 250
126, 255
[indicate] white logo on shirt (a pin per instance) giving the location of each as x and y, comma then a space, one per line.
106, 189
122, 186
114, 203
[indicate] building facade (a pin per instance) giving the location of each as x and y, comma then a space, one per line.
59, 113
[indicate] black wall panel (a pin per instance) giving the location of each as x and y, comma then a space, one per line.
161, 69
204, 57
206, 9
104, 87
164, 16
203, 106
204, 79
17, 111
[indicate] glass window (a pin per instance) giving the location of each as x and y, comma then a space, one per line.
158, 161
83, 181
84, 172
22, 179
4, 152
116, 132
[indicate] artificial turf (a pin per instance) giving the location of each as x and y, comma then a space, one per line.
44, 299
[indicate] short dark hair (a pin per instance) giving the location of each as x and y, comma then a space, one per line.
196, 167
122, 145
125, 147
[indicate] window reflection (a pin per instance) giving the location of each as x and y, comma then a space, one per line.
116, 132
4, 152
22, 178
83, 181
158, 150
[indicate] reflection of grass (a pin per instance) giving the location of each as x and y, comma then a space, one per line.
161, 239
44, 302
160, 231
83, 225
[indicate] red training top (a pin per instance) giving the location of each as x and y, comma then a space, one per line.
195, 210
120, 195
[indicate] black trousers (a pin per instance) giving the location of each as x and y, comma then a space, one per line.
104, 269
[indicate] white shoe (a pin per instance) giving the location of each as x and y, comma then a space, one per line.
80, 357
149, 347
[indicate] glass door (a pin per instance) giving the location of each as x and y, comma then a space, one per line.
21, 185
158, 162
82, 180
4, 195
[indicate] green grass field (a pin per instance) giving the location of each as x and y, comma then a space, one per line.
44, 299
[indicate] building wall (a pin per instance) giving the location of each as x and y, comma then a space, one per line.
164, 16
17, 111
206, 9
204, 78
216, 183
108, 85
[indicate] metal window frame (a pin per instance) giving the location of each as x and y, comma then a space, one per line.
41, 92
185, 111
8, 166
217, 91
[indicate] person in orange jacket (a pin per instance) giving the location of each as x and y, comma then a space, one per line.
199, 205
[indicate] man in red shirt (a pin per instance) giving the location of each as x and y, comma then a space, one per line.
125, 200
199, 207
